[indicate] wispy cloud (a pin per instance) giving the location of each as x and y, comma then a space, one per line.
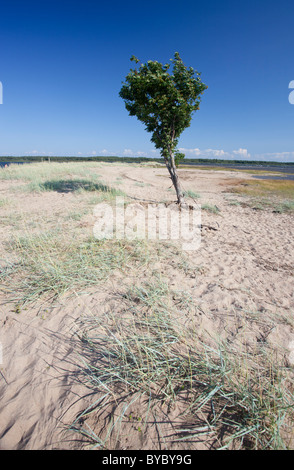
34, 153
132, 153
242, 153
216, 153
238, 154
128, 153
105, 152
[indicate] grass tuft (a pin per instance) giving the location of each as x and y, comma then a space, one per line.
49, 264
147, 351
191, 194
4, 201
210, 208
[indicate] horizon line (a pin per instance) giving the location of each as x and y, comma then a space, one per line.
93, 157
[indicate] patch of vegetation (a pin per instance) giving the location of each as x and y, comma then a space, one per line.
49, 264
4, 202
13, 219
268, 204
274, 195
220, 167
73, 185
39, 172
210, 208
77, 215
264, 188
60, 177
147, 353
192, 194
285, 206
234, 203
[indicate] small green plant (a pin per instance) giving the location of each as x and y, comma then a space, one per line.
17, 309
4, 202
272, 204
77, 215
234, 203
179, 157
210, 208
284, 206
192, 194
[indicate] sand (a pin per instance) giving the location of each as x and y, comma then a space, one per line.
244, 270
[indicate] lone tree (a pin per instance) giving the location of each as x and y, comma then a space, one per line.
164, 102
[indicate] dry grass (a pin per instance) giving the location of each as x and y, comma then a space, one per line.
262, 188
148, 352
51, 264
275, 195
236, 170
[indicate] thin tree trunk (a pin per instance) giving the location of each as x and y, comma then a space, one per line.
170, 163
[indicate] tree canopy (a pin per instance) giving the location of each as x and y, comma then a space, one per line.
164, 102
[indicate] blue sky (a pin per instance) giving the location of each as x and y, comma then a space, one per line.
62, 65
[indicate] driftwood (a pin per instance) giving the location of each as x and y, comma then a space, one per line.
209, 227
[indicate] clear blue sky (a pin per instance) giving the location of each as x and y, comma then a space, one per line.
62, 64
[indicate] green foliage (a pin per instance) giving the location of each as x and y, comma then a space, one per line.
178, 158
210, 208
164, 102
192, 194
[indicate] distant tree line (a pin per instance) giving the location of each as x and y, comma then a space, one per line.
113, 159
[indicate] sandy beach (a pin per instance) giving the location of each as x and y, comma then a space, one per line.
236, 289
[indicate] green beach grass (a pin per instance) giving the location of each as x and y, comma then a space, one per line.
147, 353
49, 265
60, 177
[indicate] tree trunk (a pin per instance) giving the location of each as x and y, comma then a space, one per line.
177, 185
170, 163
